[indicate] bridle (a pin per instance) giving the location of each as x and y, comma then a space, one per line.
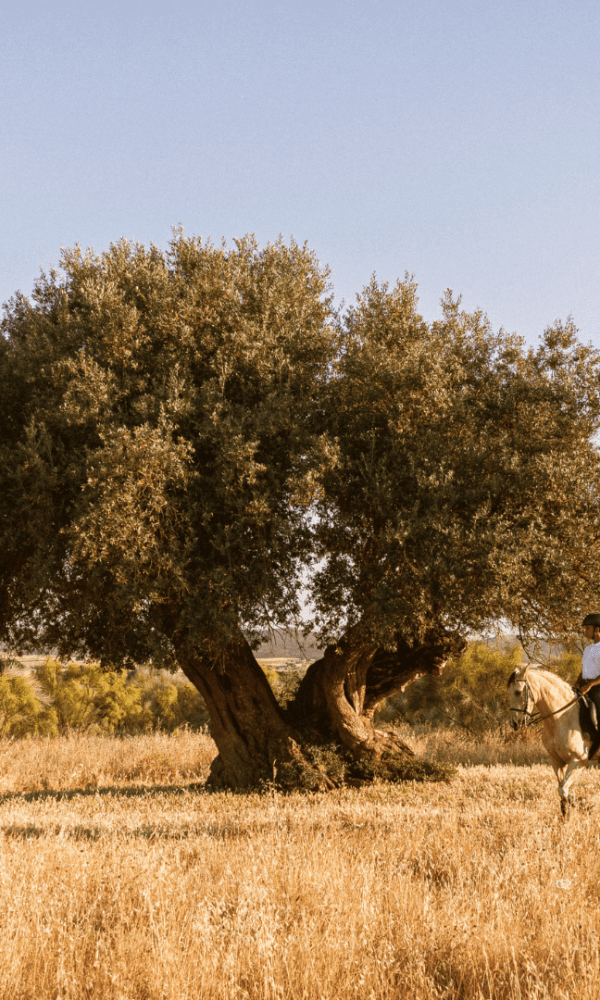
532, 718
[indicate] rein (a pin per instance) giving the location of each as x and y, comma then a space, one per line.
532, 718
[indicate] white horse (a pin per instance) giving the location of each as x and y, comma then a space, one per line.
557, 708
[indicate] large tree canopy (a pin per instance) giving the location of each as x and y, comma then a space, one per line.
184, 435
460, 484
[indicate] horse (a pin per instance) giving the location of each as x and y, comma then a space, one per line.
557, 707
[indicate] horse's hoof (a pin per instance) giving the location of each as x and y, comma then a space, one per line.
564, 808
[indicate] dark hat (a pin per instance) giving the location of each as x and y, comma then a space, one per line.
593, 619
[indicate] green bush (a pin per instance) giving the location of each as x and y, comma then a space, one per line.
84, 696
21, 712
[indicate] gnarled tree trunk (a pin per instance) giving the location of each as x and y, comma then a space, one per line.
257, 740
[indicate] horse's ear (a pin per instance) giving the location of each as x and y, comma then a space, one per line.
517, 674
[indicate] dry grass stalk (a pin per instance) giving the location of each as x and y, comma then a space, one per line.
147, 892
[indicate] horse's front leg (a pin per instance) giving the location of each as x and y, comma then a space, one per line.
565, 775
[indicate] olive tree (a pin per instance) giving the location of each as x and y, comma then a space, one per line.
185, 434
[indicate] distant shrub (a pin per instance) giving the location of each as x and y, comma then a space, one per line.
21, 712
469, 696
83, 696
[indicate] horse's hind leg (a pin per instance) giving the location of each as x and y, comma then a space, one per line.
559, 768
563, 792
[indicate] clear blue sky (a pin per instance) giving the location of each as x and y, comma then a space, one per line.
456, 139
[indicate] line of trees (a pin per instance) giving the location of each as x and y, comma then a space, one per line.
193, 443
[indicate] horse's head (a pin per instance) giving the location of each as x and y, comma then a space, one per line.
520, 697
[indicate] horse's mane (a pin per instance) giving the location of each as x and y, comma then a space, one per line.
560, 681
544, 673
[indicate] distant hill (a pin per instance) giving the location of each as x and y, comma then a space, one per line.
285, 645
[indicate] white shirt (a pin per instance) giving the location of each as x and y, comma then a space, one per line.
590, 667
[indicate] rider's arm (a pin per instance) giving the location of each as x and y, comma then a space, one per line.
587, 684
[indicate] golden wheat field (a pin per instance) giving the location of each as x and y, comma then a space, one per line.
121, 878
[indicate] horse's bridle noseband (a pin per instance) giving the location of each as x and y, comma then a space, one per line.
530, 718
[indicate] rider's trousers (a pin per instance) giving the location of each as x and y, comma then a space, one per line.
594, 695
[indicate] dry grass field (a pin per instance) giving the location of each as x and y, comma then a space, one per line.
120, 878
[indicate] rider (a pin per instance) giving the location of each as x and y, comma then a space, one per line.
588, 681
